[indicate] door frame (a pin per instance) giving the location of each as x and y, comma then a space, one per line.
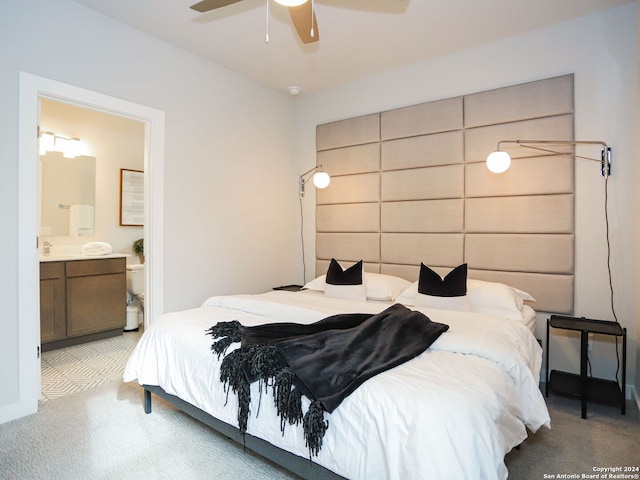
32, 87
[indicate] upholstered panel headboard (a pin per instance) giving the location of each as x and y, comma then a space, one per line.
410, 185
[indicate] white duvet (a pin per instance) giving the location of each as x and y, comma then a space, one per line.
452, 412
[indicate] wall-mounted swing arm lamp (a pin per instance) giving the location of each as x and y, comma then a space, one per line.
69, 147
321, 179
499, 161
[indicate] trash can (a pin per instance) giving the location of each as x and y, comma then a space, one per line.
132, 319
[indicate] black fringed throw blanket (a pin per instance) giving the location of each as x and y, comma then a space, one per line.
325, 361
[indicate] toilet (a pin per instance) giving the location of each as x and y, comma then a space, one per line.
135, 296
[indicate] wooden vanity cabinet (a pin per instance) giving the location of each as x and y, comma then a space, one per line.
53, 305
82, 301
96, 296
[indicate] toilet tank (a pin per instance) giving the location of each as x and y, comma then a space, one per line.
135, 279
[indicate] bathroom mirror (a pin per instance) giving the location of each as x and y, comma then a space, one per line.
67, 195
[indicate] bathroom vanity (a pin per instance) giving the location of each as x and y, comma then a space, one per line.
81, 299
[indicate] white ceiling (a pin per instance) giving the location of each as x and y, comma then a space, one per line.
357, 37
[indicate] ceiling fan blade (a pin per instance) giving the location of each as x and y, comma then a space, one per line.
301, 18
208, 5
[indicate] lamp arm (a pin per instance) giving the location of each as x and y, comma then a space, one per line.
605, 159
526, 144
308, 173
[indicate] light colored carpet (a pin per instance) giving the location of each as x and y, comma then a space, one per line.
574, 446
103, 433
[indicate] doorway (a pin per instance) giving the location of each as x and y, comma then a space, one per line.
33, 87
83, 174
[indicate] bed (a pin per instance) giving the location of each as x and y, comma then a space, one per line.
454, 411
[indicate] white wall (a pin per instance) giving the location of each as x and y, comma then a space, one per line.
227, 154
601, 51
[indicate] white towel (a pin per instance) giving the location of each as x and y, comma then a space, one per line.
96, 248
81, 220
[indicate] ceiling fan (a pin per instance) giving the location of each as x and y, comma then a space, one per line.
301, 12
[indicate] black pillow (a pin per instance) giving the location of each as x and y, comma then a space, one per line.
350, 276
453, 285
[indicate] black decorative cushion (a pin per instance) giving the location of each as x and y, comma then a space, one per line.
454, 284
337, 276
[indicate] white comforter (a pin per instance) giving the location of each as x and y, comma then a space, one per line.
452, 412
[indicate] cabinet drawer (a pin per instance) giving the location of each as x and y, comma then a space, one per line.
105, 266
49, 270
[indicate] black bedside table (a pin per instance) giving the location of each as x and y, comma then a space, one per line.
582, 386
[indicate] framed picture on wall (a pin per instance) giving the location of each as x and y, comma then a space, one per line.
131, 198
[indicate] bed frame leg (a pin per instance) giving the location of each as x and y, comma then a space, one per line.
147, 401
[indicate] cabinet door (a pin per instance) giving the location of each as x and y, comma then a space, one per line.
52, 310
96, 304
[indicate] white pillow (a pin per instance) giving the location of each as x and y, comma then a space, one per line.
317, 283
347, 292
384, 287
497, 298
408, 295
460, 303
485, 297
378, 286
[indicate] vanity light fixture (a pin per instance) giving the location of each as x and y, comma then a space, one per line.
69, 147
499, 161
47, 140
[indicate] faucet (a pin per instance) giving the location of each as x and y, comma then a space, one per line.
46, 247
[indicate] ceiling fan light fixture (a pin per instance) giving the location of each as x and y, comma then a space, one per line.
291, 3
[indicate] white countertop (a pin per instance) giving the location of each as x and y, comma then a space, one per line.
78, 256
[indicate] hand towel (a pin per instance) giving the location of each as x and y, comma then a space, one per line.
96, 248
81, 220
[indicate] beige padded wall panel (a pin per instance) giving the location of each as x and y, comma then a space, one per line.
411, 272
348, 246
423, 151
553, 293
423, 216
352, 217
345, 133
431, 117
534, 99
520, 253
362, 188
437, 203
408, 272
480, 142
534, 214
526, 176
423, 183
437, 249
348, 160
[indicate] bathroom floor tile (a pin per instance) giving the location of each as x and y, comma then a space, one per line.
73, 369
